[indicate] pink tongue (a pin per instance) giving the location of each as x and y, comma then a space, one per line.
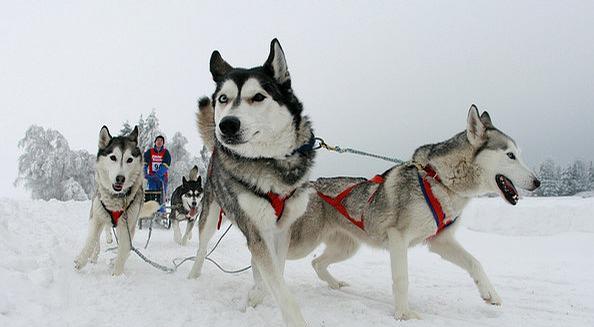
192, 212
510, 186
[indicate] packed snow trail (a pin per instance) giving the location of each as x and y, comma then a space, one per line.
539, 255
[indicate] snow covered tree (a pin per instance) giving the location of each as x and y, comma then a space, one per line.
581, 176
126, 128
567, 183
149, 130
72, 190
591, 173
549, 175
47, 166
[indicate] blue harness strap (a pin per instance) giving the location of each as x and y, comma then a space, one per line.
441, 221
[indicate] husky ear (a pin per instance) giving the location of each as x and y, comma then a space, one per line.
218, 66
184, 181
486, 119
193, 173
475, 129
134, 134
276, 63
199, 180
104, 137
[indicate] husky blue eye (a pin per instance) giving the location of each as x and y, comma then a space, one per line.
113, 158
223, 98
129, 160
258, 97
511, 156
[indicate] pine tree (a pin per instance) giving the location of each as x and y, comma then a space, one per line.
126, 128
581, 176
549, 175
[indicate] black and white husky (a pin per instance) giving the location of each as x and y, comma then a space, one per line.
185, 205
259, 170
409, 204
119, 196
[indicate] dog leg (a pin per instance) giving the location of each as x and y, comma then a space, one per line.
339, 247
398, 246
257, 293
450, 249
124, 242
95, 253
188, 233
207, 226
108, 236
264, 261
191, 229
176, 231
92, 238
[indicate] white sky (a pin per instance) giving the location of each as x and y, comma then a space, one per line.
376, 75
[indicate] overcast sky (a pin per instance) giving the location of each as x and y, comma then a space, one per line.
385, 77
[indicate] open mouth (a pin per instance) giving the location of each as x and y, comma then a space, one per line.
507, 188
117, 187
193, 211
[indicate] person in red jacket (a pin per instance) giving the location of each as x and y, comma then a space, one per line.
156, 165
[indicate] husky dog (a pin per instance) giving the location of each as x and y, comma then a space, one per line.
258, 173
119, 194
391, 211
185, 203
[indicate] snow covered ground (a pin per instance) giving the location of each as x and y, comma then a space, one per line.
539, 255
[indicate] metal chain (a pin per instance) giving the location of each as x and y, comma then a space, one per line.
339, 149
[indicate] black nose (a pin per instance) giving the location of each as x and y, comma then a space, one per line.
120, 179
229, 125
194, 204
536, 183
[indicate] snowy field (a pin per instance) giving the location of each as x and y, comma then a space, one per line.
539, 255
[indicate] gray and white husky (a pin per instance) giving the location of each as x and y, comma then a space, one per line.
392, 211
185, 204
119, 196
259, 171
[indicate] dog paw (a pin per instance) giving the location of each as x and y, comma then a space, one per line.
407, 315
491, 297
193, 274
338, 284
79, 264
255, 297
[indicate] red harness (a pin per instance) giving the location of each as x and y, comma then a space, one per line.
115, 216
336, 201
276, 201
439, 215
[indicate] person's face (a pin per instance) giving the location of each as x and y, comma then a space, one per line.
159, 142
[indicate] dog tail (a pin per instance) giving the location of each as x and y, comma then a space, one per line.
206, 122
193, 175
148, 209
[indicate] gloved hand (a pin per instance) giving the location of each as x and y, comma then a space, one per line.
161, 171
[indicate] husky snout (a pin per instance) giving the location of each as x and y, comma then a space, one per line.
230, 126
535, 184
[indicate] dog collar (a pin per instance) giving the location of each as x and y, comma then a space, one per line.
441, 220
307, 147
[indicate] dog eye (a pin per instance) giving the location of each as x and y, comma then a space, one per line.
113, 158
130, 160
258, 97
223, 98
511, 156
